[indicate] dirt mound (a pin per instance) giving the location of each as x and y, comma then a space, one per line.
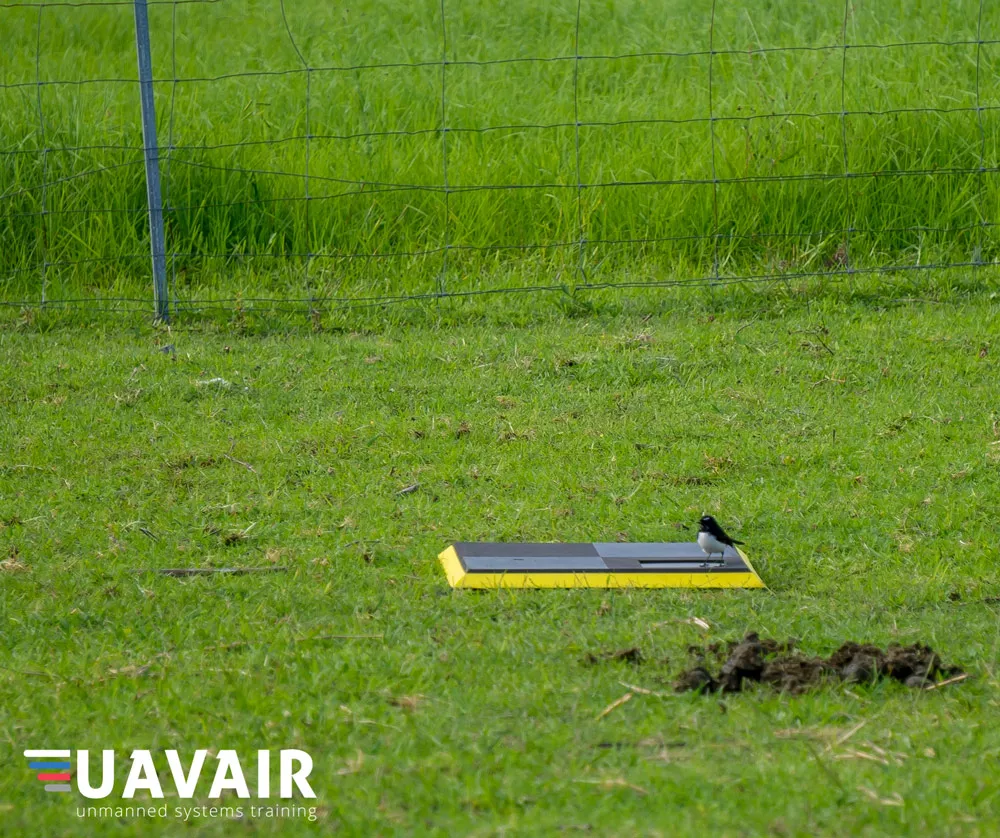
782, 667
631, 655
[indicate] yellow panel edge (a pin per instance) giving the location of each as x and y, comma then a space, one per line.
753, 570
452, 567
609, 580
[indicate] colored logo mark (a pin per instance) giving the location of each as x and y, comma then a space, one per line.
54, 768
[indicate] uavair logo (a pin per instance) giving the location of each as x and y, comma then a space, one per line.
55, 771
53, 768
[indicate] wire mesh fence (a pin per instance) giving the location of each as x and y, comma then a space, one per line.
313, 155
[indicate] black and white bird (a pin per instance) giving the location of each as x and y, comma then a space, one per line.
712, 538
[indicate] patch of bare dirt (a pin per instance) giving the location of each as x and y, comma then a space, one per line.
781, 666
632, 655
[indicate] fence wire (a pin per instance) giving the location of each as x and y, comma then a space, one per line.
878, 161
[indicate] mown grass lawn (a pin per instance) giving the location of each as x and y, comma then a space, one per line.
853, 443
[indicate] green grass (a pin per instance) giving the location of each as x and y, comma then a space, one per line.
851, 441
846, 430
235, 175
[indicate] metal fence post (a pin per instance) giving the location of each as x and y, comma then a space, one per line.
152, 155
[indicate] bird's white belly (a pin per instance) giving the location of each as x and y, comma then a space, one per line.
710, 544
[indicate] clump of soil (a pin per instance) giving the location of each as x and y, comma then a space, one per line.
632, 655
780, 666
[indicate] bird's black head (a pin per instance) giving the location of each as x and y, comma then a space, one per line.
708, 523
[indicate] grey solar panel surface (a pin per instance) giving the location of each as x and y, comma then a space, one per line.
601, 557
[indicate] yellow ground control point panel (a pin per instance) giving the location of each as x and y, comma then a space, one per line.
598, 565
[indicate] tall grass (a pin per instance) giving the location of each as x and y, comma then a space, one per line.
236, 143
